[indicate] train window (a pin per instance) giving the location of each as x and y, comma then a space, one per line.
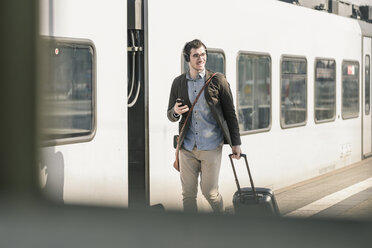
68, 83
254, 92
350, 89
293, 92
325, 90
215, 61
367, 82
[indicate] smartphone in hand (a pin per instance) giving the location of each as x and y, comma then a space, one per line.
181, 101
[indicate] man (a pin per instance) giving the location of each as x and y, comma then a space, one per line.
212, 122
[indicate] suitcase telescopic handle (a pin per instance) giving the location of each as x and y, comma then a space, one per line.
249, 174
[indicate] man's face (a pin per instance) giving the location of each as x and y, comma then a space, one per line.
198, 57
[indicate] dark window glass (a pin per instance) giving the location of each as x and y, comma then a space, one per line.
325, 90
67, 91
367, 80
254, 92
293, 92
350, 89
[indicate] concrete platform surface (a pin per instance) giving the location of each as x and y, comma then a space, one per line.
344, 193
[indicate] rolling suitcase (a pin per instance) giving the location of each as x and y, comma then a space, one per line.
251, 200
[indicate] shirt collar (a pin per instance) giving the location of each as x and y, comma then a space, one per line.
201, 75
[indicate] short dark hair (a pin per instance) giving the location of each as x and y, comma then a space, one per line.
190, 45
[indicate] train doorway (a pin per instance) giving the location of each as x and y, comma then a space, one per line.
138, 127
366, 82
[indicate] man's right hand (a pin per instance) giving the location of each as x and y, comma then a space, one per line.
178, 109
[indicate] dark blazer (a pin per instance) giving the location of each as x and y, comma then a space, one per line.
220, 100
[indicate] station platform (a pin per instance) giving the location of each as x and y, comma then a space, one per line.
345, 193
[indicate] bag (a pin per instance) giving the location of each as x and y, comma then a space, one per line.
176, 163
253, 200
175, 145
175, 141
264, 203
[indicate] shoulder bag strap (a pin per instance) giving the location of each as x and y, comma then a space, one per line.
196, 99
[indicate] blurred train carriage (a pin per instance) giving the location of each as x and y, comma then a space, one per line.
300, 80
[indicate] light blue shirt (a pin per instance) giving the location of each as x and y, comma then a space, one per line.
204, 132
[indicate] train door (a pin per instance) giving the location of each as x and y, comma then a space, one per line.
367, 117
138, 128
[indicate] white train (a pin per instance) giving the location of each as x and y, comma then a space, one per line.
300, 79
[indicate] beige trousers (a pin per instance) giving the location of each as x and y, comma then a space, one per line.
207, 164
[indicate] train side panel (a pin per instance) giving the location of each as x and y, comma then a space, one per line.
92, 172
96, 171
278, 157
